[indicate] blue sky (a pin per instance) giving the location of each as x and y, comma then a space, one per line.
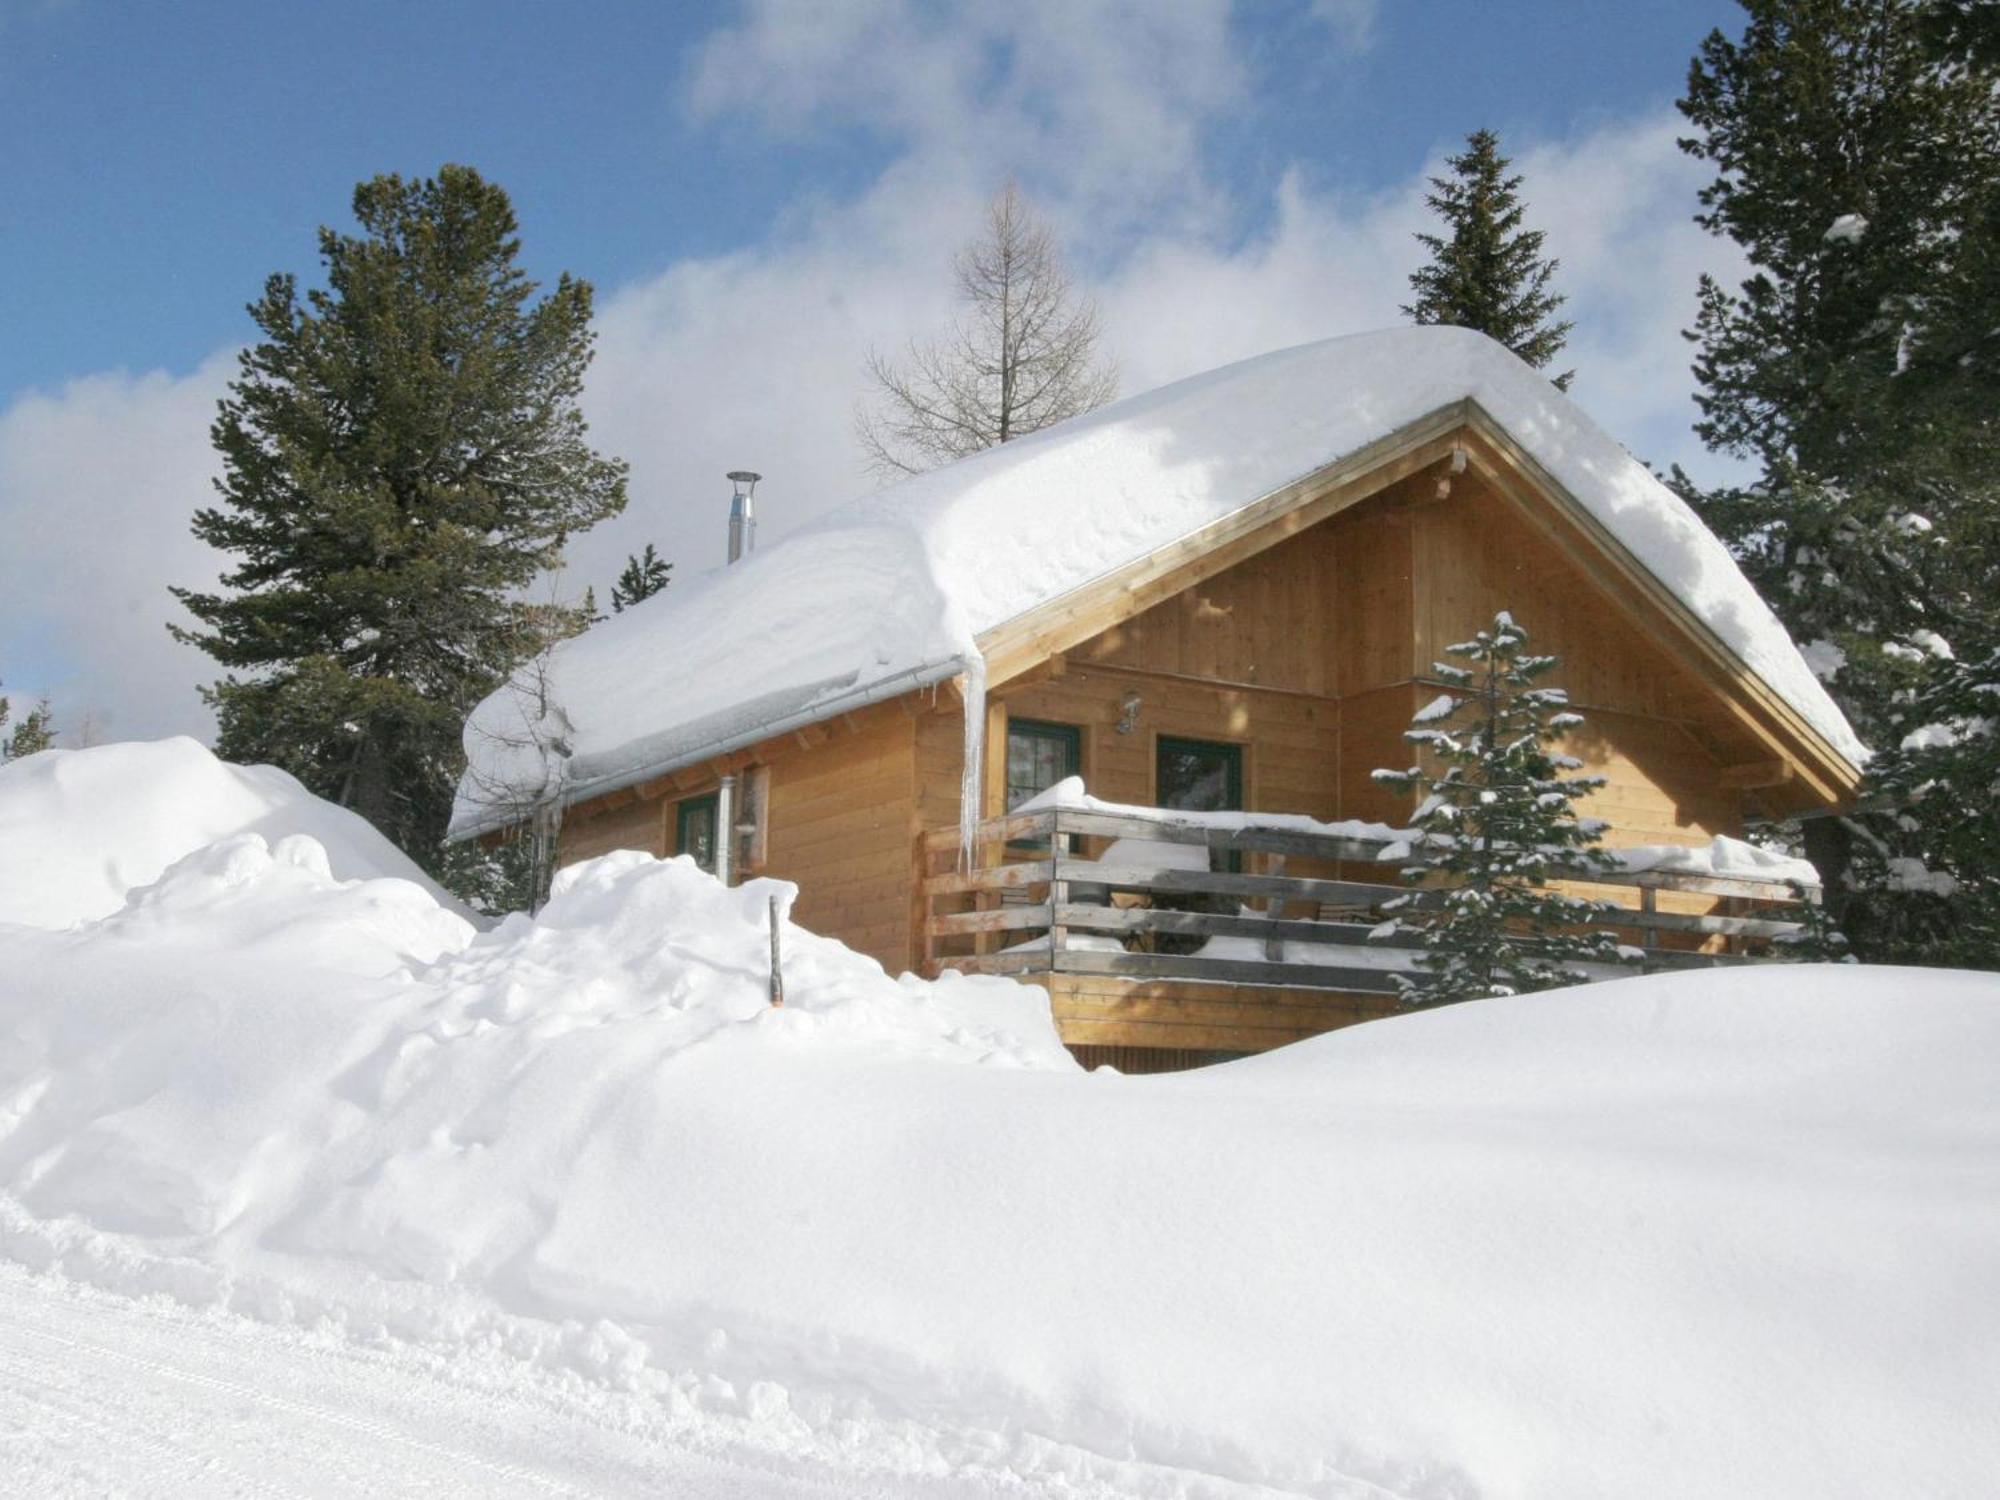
761, 192
166, 158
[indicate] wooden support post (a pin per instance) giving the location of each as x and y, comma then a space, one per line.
725, 830
1649, 903
1058, 888
992, 803
922, 905
1274, 907
777, 960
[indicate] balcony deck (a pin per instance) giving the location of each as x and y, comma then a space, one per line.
1155, 928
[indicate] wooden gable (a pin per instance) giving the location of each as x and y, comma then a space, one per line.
1444, 521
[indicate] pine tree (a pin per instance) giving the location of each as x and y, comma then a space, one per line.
1857, 151
35, 732
1486, 272
1496, 824
1024, 358
402, 455
644, 576
1854, 164
1852, 159
1847, 154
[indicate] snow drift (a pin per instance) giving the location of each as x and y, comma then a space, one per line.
1706, 1235
892, 592
79, 829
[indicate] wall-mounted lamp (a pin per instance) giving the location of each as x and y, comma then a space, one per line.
1128, 713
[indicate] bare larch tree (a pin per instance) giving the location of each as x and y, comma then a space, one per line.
1023, 356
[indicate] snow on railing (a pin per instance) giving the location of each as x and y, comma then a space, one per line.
1073, 884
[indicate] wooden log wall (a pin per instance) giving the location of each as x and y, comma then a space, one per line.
842, 822
1191, 1017
594, 828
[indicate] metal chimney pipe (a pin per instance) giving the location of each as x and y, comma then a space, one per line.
742, 514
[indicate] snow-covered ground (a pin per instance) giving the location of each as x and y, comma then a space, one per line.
102, 1394
1708, 1235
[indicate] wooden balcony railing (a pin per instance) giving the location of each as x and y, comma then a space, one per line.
1074, 891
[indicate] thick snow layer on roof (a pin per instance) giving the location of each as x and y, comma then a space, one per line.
82, 829
893, 590
1702, 1235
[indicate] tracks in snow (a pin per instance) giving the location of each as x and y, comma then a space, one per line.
103, 1395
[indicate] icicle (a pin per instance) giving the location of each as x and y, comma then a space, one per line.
545, 832
973, 783
553, 737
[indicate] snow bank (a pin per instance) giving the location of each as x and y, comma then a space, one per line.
262, 1036
1687, 1236
80, 829
892, 592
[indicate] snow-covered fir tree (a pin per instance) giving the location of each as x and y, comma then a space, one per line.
1495, 823
645, 574
1486, 272
1932, 859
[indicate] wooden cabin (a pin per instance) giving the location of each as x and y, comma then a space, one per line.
1266, 662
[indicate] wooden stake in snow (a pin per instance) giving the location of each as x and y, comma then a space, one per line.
777, 966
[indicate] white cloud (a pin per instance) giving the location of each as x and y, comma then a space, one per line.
1352, 21
1615, 206
98, 481
755, 358
1101, 108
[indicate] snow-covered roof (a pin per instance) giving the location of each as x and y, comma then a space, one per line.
892, 591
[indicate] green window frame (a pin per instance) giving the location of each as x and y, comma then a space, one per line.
1230, 759
1227, 759
695, 831
1039, 754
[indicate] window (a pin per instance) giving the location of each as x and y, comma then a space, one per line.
1199, 775
1038, 756
694, 830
